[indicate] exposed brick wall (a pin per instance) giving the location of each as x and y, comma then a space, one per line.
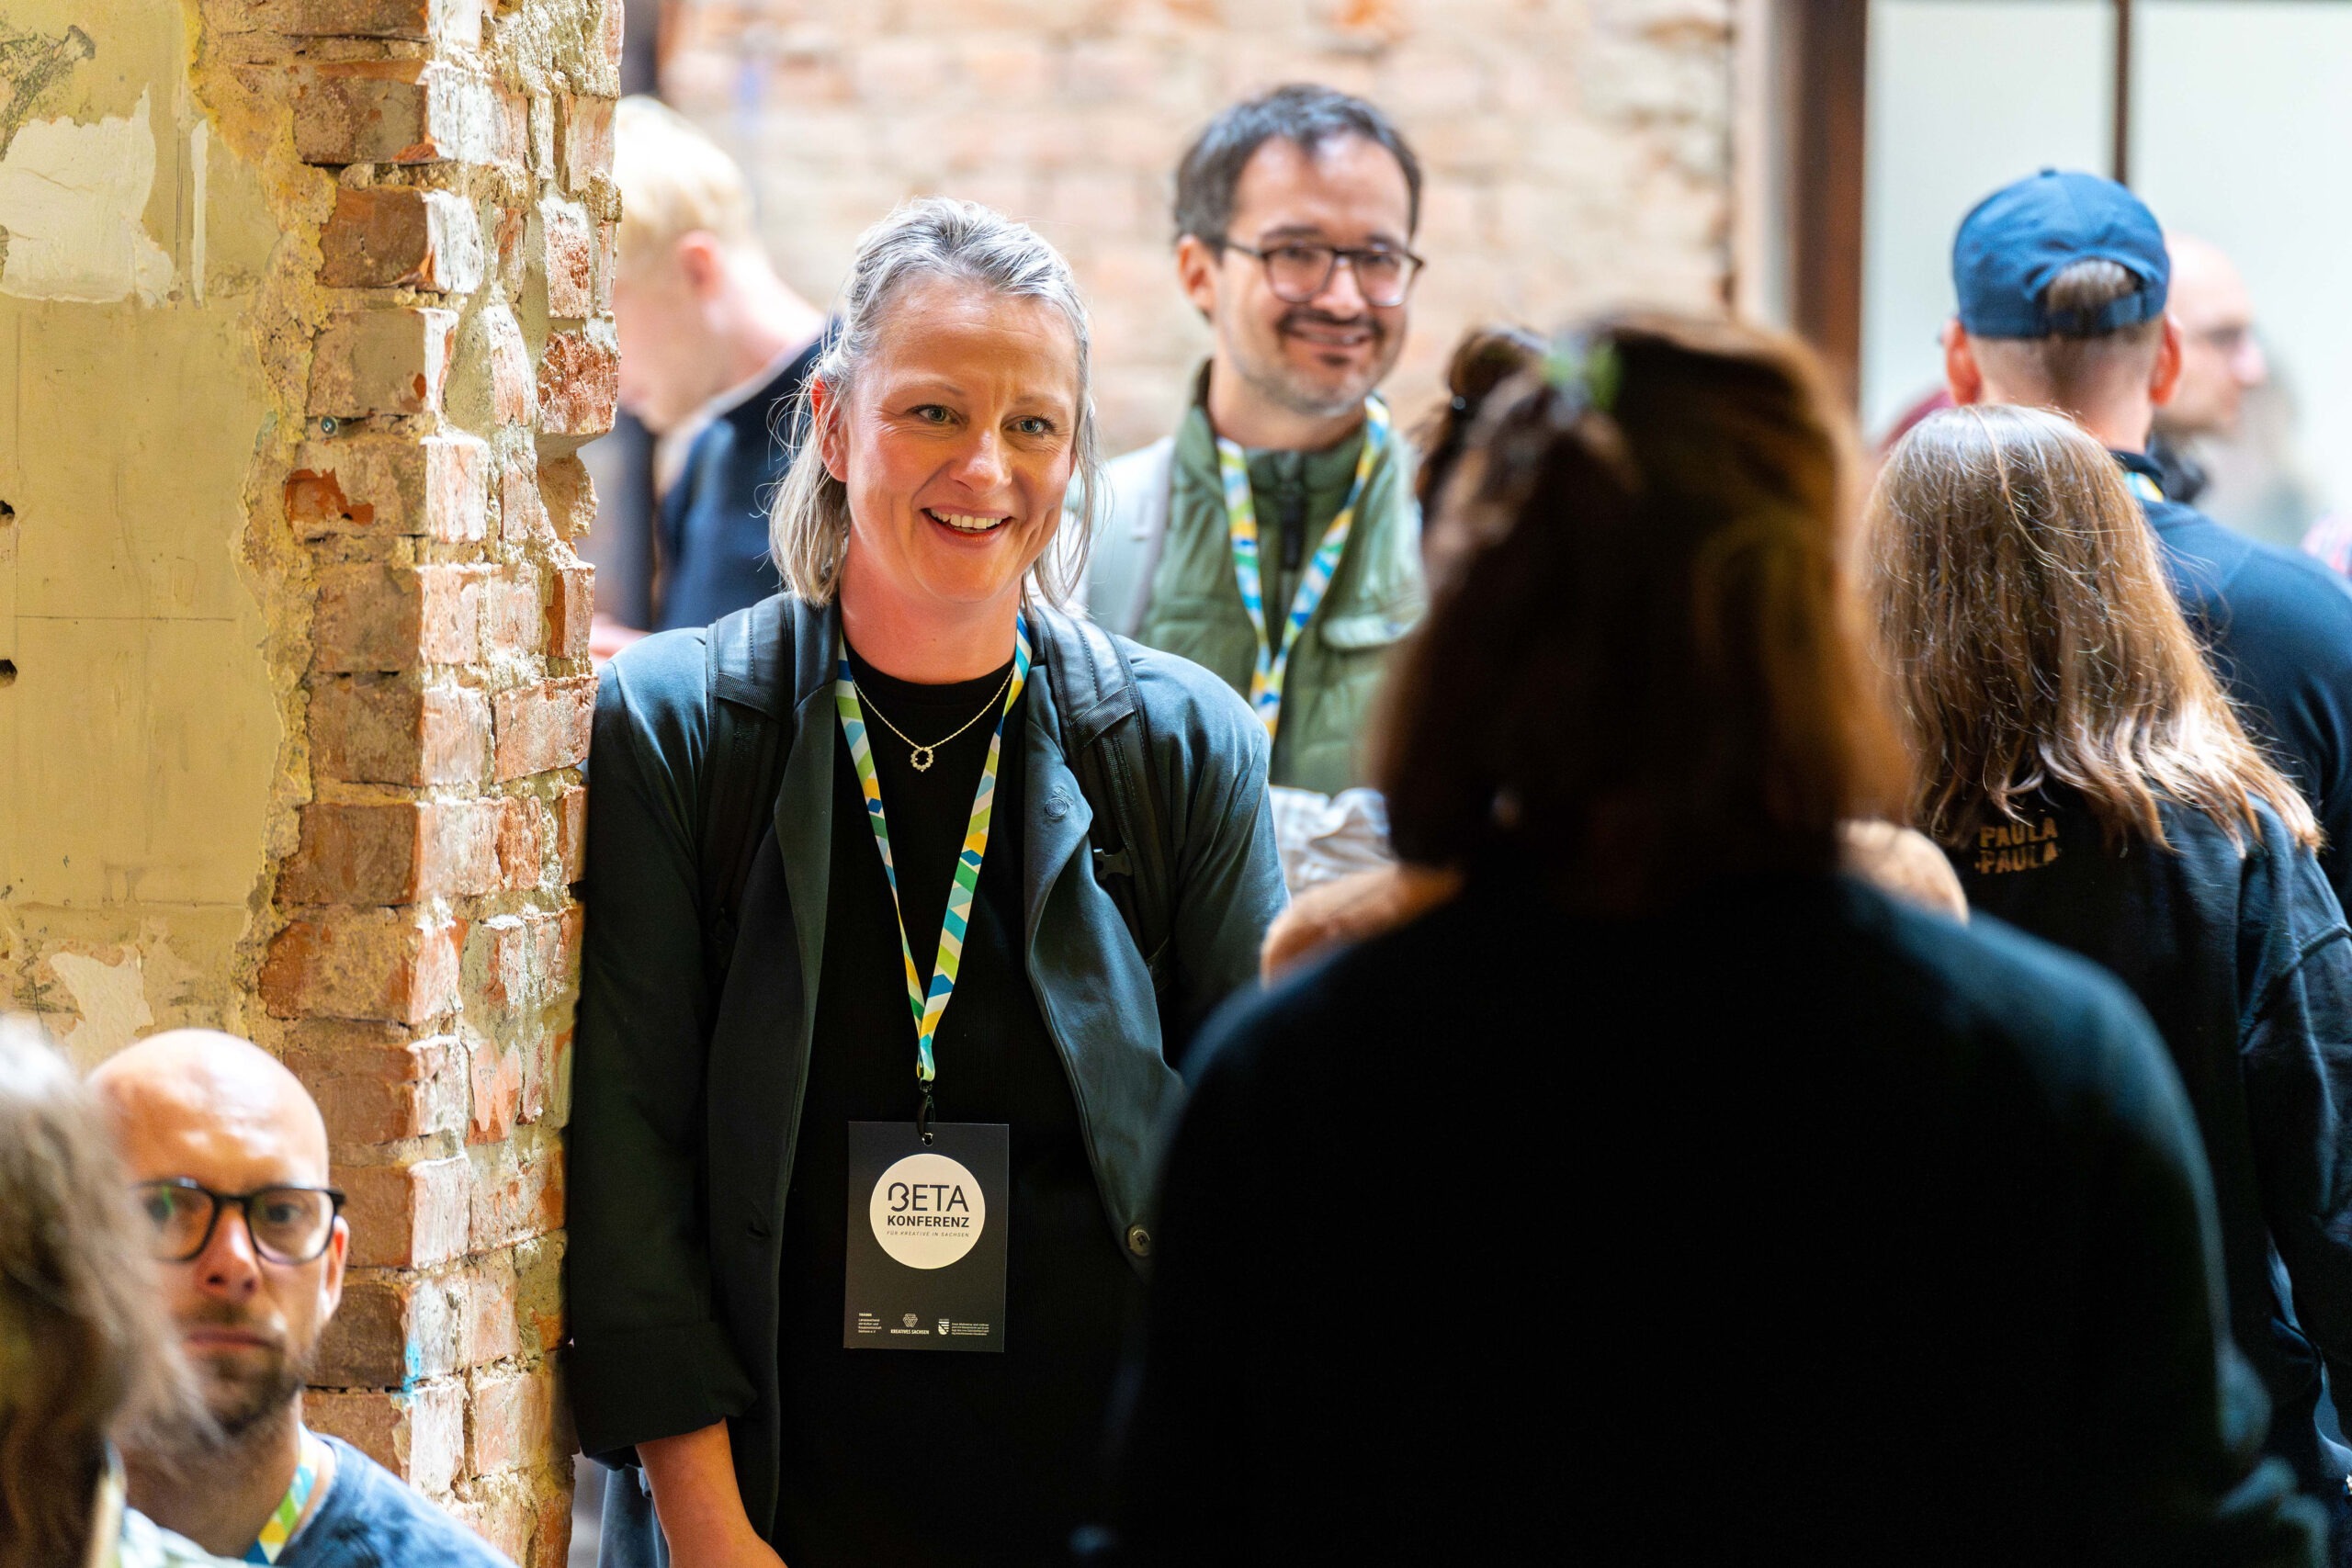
447, 348
1577, 150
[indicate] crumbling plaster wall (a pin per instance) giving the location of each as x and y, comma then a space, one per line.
304, 312
140, 732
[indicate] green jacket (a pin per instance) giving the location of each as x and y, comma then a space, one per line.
1163, 574
685, 1103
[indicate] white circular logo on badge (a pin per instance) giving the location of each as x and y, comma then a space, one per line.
928, 1212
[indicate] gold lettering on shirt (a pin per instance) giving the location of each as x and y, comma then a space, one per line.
2016, 846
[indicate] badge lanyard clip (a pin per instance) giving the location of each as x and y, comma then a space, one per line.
928, 1005
1242, 527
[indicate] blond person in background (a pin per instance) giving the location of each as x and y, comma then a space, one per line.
85, 1352
227, 1156
715, 349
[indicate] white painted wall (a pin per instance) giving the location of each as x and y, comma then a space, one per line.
2242, 131
1964, 96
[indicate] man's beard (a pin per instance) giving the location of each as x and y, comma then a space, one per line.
1284, 382
245, 1390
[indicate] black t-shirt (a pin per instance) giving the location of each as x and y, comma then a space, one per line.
909, 1458
2242, 960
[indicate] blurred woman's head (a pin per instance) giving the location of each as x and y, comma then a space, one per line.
84, 1347
949, 413
1642, 667
2033, 640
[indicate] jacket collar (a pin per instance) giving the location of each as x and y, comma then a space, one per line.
2141, 472
804, 802
1058, 816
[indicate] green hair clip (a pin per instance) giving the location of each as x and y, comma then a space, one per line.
1587, 373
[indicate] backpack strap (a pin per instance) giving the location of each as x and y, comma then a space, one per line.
749, 680
1107, 736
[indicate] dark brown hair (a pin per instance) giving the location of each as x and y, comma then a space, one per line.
2025, 617
1643, 664
1302, 113
1483, 360
83, 1350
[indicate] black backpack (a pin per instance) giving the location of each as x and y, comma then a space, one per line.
1105, 733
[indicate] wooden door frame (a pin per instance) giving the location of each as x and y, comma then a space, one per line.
1799, 129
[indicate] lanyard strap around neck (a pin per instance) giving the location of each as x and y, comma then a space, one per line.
1241, 525
278, 1528
928, 1005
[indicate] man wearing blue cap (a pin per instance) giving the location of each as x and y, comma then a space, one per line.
2063, 281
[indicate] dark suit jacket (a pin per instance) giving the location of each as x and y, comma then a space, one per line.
713, 528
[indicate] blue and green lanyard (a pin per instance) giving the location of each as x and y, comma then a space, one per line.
1241, 525
928, 1004
280, 1528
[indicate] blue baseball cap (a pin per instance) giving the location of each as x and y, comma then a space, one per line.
2015, 240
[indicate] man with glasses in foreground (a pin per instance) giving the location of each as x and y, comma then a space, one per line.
1273, 538
228, 1157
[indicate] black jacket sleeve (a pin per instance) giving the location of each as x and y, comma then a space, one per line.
2296, 1049
648, 1357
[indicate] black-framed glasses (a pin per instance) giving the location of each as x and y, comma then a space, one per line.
1298, 271
289, 1225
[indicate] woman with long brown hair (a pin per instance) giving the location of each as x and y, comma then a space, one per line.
1820, 1228
2086, 773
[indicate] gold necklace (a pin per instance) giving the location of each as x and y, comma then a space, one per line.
923, 756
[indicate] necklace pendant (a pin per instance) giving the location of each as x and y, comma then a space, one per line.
923, 757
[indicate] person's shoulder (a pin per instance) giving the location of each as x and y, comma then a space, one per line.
1188, 705
2266, 586
666, 670
1982, 987
373, 1519
2069, 1029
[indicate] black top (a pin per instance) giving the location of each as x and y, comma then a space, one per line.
1015, 1438
2243, 962
712, 529
2279, 626
1792, 1226
371, 1519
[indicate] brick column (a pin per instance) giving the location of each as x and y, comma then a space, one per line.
426, 944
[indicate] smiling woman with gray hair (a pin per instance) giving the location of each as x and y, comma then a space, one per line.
906, 893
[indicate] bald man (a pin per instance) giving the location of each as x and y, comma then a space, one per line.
2220, 361
228, 1156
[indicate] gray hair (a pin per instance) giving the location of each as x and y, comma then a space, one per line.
934, 237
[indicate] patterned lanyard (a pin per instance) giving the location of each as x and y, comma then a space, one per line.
1241, 523
2141, 485
928, 1007
280, 1528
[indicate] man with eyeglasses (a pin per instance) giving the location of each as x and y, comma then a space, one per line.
228, 1158
1273, 538
2221, 362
